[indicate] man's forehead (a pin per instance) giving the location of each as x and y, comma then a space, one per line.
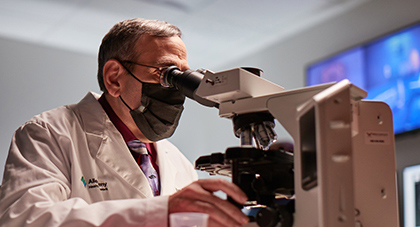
157, 40
166, 50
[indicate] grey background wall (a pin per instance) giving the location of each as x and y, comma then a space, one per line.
36, 78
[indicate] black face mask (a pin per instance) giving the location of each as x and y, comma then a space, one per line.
159, 112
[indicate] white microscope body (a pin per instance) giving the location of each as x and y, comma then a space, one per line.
344, 153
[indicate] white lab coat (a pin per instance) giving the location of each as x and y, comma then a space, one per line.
71, 167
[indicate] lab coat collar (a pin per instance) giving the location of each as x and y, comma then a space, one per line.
106, 143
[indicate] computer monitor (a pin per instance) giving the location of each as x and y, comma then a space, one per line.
388, 68
411, 196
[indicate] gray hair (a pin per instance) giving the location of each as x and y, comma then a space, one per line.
120, 42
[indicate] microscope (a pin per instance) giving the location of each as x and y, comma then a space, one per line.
340, 171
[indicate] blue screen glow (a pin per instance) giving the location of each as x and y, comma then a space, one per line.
388, 68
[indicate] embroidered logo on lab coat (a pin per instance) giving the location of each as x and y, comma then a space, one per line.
94, 183
83, 181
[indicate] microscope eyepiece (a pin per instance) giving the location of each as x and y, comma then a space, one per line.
167, 76
186, 82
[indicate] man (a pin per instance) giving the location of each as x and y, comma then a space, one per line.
74, 165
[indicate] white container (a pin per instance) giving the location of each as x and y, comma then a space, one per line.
188, 219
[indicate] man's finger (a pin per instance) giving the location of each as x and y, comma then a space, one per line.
230, 189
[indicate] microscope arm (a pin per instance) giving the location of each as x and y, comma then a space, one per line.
240, 92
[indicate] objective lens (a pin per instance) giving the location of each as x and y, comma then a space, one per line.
246, 137
264, 134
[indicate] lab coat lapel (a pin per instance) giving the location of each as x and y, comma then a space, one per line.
167, 170
106, 144
115, 153
92, 119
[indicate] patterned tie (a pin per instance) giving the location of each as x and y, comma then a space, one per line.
143, 159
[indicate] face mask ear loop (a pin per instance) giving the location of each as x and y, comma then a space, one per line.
131, 74
125, 103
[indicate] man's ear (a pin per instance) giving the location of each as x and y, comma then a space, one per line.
112, 73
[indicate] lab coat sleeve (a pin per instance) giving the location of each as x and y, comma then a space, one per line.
36, 188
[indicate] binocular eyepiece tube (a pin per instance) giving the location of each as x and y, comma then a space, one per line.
186, 82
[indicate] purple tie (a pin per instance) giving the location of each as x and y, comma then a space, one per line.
145, 164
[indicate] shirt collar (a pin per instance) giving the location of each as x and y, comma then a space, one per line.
119, 124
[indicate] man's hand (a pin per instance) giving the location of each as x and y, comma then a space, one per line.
199, 197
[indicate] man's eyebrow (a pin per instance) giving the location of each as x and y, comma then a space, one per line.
165, 63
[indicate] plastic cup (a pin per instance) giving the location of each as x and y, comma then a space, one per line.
188, 219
